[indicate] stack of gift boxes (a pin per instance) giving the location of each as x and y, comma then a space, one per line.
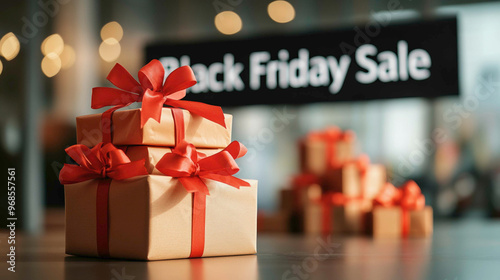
156, 182
340, 193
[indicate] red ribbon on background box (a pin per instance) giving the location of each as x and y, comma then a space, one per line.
104, 162
331, 199
152, 92
190, 168
409, 197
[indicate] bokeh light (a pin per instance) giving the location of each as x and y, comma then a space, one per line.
281, 11
228, 22
53, 44
9, 46
67, 57
51, 64
112, 30
110, 49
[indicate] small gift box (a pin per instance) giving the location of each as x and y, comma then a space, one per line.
127, 130
323, 150
152, 155
203, 125
401, 212
114, 209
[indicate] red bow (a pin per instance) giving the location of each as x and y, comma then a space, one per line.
152, 92
102, 162
409, 197
99, 162
190, 166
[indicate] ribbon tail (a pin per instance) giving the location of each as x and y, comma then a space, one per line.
151, 106
209, 112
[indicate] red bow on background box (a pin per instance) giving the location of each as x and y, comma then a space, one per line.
191, 167
409, 197
152, 92
103, 162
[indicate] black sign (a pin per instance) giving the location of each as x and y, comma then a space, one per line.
371, 61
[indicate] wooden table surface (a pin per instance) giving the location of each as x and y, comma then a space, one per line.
458, 250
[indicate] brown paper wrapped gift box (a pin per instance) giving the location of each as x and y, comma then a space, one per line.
150, 219
387, 222
127, 130
313, 155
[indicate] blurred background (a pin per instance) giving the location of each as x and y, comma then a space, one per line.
53, 52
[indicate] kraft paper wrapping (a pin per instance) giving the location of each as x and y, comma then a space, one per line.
314, 155
150, 219
345, 179
153, 154
201, 132
421, 224
351, 218
373, 180
387, 222
312, 218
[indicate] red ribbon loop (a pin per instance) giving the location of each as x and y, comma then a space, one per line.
152, 92
102, 161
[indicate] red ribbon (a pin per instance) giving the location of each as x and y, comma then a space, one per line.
152, 92
409, 197
103, 162
191, 168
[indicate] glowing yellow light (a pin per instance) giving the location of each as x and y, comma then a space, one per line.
281, 11
112, 30
110, 49
228, 22
67, 57
53, 44
9, 46
51, 64
1, 67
